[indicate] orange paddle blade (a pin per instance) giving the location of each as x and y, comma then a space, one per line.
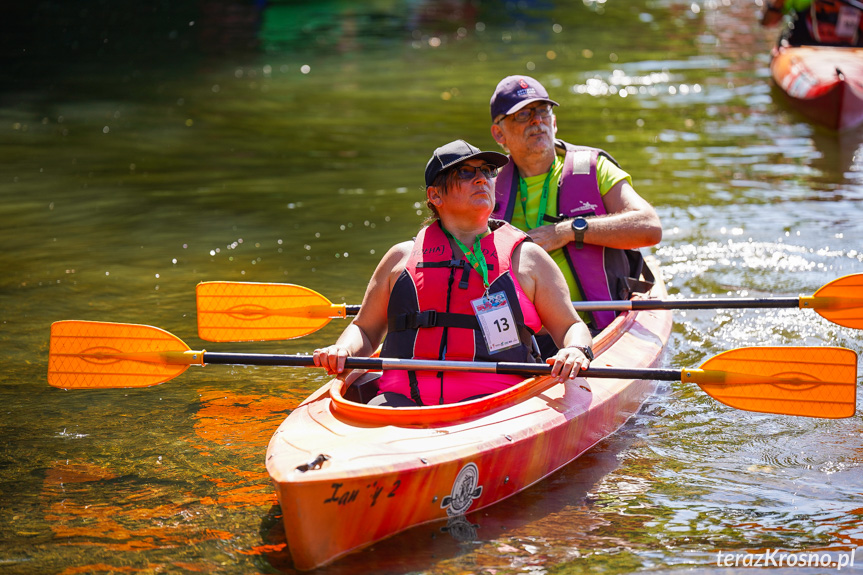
840, 301
245, 311
90, 354
808, 381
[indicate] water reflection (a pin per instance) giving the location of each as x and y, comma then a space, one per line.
839, 159
140, 502
82, 500
230, 428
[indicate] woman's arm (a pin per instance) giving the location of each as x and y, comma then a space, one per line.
365, 333
543, 282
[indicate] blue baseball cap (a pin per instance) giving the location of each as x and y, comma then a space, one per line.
514, 93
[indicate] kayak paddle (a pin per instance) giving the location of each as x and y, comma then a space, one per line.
808, 381
246, 311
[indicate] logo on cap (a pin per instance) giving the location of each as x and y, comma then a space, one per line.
526, 90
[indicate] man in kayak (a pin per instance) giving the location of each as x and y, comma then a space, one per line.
465, 290
817, 22
574, 201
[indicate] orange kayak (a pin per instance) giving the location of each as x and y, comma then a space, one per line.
824, 83
348, 475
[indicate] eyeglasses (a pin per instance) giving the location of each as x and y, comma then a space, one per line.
525, 114
469, 172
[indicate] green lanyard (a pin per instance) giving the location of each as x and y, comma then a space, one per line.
543, 200
474, 256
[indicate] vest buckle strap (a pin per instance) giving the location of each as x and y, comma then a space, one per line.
448, 264
432, 318
425, 319
465, 276
412, 321
442, 264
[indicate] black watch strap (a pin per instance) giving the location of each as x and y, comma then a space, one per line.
586, 350
579, 227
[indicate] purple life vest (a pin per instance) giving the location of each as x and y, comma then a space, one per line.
602, 274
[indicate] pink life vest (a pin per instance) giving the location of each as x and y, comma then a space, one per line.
430, 314
602, 273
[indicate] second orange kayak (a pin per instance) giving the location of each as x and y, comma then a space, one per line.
824, 83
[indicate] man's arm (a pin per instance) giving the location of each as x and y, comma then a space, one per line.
631, 222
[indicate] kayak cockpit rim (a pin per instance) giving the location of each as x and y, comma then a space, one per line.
454, 412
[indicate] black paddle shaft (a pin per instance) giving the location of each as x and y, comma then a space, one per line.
648, 304
713, 303
374, 363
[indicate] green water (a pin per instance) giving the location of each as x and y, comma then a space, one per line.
149, 148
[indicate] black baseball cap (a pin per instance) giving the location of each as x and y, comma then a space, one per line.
456, 152
514, 93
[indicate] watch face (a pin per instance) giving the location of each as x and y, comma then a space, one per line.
579, 224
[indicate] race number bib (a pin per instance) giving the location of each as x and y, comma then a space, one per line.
496, 322
849, 20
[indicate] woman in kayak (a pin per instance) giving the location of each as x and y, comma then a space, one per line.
467, 289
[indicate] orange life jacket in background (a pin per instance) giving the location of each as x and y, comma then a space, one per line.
831, 22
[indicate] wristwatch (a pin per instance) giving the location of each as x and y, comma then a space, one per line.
586, 350
579, 226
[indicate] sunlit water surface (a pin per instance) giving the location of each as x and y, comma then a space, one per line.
149, 150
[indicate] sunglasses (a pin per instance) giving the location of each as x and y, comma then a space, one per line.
469, 172
525, 114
